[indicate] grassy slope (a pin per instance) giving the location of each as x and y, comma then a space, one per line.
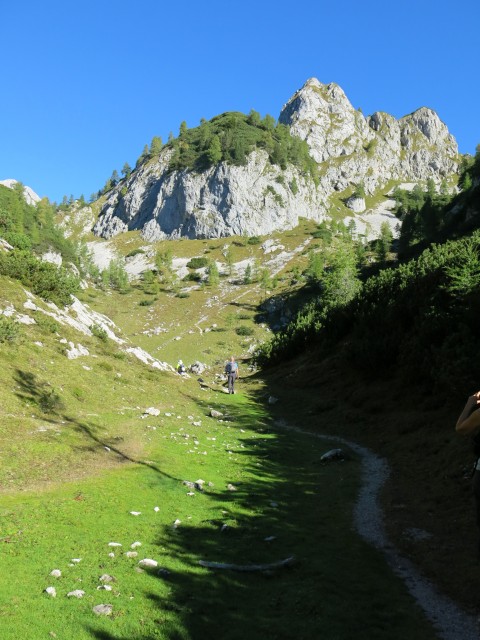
64, 496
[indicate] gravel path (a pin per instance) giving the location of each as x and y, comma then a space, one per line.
449, 621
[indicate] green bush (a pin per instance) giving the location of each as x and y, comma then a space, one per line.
243, 330
197, 263
50, 401
183, 294
9, 329
254, 240
99, 332
51, 283
192, 277
147, 303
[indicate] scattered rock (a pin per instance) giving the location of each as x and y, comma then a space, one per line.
131, 554
176, 523
78, 593
134, 545
103, 609
104, 587
52, 592
231, 487
114, 544
151, 411
106, 578
197, 368
216, 414
148, 562
135, 513
76, 560
56, 573
156, 509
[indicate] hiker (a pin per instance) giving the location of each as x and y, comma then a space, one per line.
231, 369
468, 424
180, 367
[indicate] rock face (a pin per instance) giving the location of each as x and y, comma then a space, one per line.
259, 197
254, 199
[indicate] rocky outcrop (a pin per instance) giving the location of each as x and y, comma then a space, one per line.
225, 200
352, 149
259, 197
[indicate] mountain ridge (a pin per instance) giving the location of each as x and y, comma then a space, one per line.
260, 194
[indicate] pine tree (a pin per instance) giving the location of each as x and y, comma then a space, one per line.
126, 170
156, 146
213, 276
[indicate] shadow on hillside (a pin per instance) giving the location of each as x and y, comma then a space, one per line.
283, 503
278, 309
39, 393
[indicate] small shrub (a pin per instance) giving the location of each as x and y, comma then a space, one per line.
50, 401
79, 394
120, 355
147, 303
99, 332
254, 240
192, 277
242, 330
8, 329
197, 263
183, 294
133, 253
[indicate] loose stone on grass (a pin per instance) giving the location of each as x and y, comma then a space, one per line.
56, 573
52, 592
103, 609
106, 578
131, 554
78, 593
148, 562
216, 414
114, 544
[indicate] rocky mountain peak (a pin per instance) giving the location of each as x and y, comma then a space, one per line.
261, 195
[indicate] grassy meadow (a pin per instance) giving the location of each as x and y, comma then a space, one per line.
79, 455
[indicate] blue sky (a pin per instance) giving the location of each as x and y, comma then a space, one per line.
86, 85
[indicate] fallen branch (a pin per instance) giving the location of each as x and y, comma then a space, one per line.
248, 567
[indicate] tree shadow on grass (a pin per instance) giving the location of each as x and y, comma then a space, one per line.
35, 391
284, 503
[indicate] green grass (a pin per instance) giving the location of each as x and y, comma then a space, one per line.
282, 491
70, 477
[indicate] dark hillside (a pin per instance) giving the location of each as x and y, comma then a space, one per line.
428, 503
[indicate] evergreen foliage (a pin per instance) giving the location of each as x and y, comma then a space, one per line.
25, 226
51, 283
421, 316
232, 136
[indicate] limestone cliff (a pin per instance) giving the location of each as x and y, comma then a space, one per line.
259, 197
